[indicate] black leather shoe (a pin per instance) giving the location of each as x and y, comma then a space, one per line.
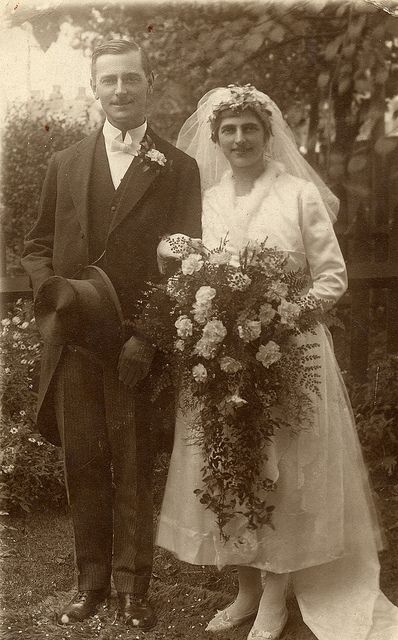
136, 611
83, 605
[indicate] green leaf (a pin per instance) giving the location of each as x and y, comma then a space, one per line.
332, 48
323, 79
355, 28
277, 33
349, 50
227, 44
253, 42
357, 163
391, 26
344, 84
341, 10
384, 146
381, 76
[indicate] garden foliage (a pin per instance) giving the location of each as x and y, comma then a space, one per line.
31, 470
29, 140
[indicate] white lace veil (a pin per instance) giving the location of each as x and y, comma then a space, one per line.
195, 139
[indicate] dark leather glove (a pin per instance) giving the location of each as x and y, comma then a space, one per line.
135, 361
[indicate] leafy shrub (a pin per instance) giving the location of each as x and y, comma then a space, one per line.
375, 405
30, 468
29, 141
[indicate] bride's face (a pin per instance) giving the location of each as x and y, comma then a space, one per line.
242, 139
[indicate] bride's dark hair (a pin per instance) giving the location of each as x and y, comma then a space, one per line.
263, 118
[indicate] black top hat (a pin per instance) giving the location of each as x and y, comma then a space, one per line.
84, 313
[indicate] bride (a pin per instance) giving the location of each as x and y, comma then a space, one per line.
326, 538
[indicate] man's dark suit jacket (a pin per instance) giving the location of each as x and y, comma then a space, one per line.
155, 202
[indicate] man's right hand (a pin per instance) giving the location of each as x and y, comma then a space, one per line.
135, 361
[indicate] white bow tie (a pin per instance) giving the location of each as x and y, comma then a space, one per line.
125, 147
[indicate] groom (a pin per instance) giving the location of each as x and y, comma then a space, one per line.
108, 200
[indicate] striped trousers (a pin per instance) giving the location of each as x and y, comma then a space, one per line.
108, 468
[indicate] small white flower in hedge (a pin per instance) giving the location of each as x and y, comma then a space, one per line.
268, 354
6, 322
205, 294
179, 345
16, 335
16, 320
289, 312
184, 327
266, 313
214, 331
8, 469
31, 439
199, 372
230, 365
250, 330
236, 400
13, 430
22, 413
156, 156
7, 370
193, 263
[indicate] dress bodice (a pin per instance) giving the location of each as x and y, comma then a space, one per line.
286, 212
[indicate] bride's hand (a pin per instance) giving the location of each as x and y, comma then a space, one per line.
173, 247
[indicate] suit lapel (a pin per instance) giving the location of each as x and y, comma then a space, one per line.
79, 176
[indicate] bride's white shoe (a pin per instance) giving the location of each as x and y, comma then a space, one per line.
223, 621
274, 634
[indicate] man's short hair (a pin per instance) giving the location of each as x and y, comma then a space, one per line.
118, 46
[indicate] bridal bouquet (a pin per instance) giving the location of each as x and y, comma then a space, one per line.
231, 336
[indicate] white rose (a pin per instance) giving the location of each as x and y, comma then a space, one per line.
179, 345
278, 290
205, 295
184, 326
204, 349
289, 312
191, 264
268, 354
250, 330
214, 331
230, 365
16, 320
24, 325
199, 372
200, 312
266, 313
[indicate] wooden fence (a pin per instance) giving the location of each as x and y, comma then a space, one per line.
367, 229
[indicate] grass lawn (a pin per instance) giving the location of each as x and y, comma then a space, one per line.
38, 577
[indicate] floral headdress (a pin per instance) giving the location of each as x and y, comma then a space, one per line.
238, 98
195, 138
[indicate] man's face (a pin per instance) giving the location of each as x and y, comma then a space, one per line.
122, 87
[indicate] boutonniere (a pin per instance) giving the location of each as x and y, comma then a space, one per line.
152, 157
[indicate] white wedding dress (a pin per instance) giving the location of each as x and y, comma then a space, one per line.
326, 533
